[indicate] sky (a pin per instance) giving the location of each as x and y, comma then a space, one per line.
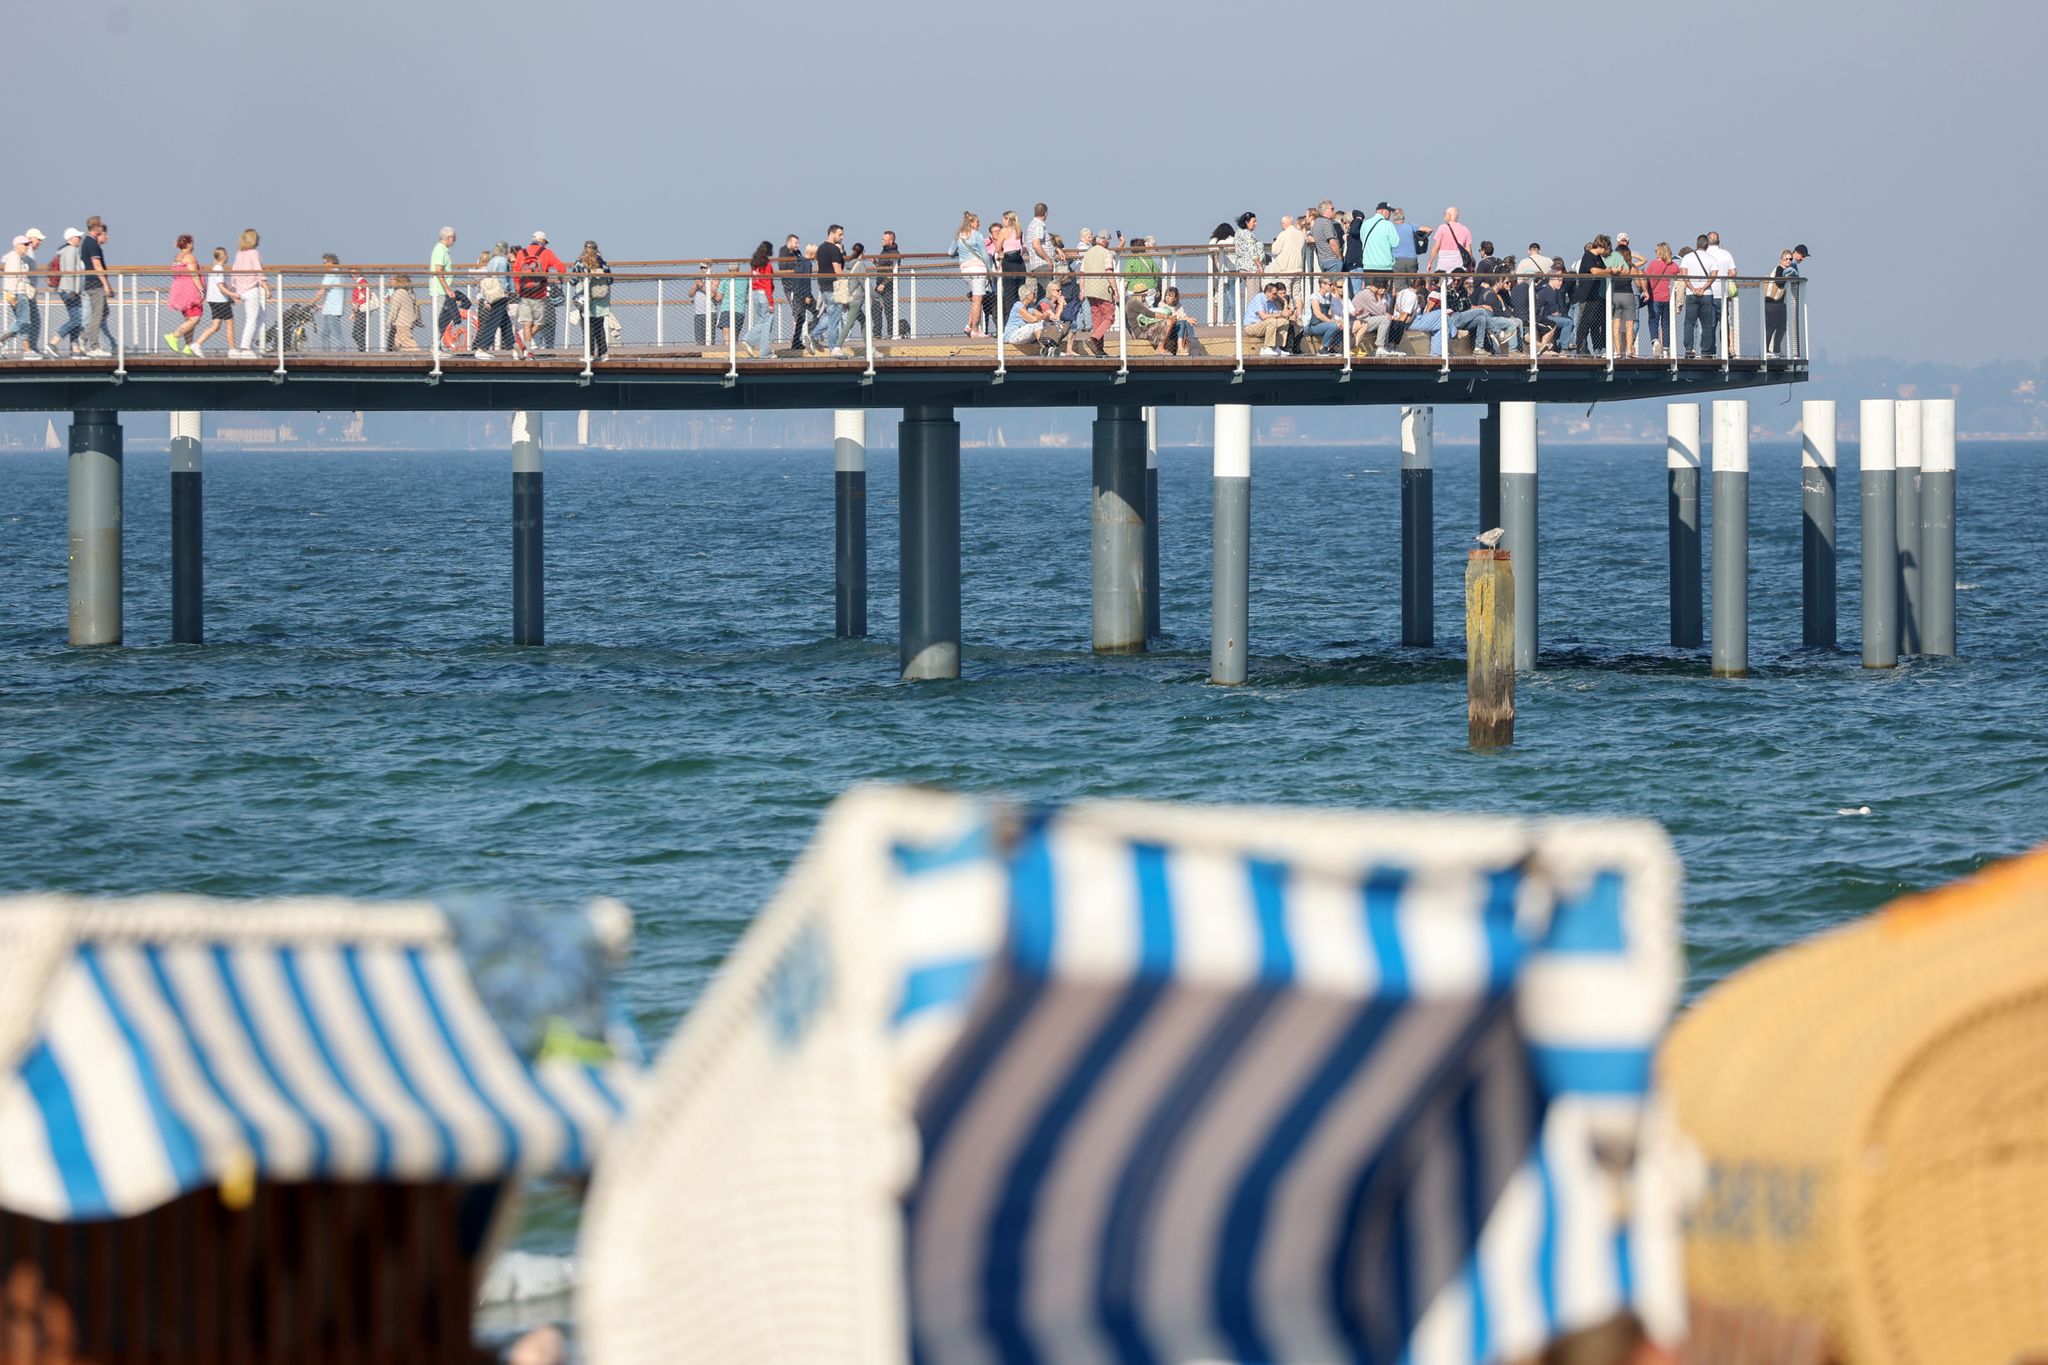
1880, 133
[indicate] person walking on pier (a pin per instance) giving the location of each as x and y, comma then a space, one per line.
853, 280
760, 303
220, 305
796, 288
17, 283
249, 294
1099, 289
440, 284
92, 256
494, 293
530, 278
402, 314
887, 257
594, 296
831, 266
70, 284
187, 297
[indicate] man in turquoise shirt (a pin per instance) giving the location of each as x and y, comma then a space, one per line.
1376, 246
333, 299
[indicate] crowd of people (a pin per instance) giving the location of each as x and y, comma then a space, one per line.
1328, 280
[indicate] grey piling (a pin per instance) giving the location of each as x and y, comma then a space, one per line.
1682, 520
1817, 534
1906, 509
1418, 526
850, 523
1938, 525
188, 532
1489, 468
928, 557
95, 530
1151, 524
1730, 655
529, 601
1489, 649
1117, 537
1230, 599
1880, 534
1517, 428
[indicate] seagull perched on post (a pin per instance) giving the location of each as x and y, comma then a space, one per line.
1491, 539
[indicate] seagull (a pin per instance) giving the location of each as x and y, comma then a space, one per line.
1491, 539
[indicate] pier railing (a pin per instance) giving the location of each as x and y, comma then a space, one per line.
1155, 306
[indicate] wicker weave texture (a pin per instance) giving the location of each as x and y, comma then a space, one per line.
1873, 1109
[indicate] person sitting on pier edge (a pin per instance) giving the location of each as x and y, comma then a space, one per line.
1272, 322
1325, 316
1180, 332
1483, 312
1034, 324
1372, 317
1536, 290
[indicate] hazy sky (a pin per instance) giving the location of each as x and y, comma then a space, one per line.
1887, 136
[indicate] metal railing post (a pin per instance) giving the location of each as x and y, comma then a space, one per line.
277, 312
1534, 347
659, 336
383, 311
1002, 362
586, 326
913, 306
120, 328
1237, 331
1727, 307
1443, 321
1123, 337
1607, 305
732, 334
435, 304
1344, 311
150, 334
1805, 330
1671, 296
867, 294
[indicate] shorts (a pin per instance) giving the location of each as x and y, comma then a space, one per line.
192, 310
219, 312
977, 285
532, 311
1625, 305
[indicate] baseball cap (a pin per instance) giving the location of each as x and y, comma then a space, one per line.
1383, 204
1801, 249
21, 241
73, 232
34, 234
540, 236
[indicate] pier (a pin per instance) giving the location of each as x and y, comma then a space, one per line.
666, 338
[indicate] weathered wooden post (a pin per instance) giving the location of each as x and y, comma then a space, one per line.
1489, 649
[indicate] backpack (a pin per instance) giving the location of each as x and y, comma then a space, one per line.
533, 282
491, 287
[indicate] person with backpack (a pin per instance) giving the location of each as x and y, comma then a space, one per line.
65, 279
530, 271
494, 292
594, 295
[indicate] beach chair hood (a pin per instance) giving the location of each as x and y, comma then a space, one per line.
154, 1047
1140, 1082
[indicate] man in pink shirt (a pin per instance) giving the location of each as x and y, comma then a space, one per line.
1450, 246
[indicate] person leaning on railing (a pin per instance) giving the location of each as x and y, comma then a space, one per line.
594, 285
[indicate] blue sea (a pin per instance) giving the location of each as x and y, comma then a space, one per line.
358, 723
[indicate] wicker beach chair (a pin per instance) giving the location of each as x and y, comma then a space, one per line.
261, 1131
1873, 1109
1163, 1083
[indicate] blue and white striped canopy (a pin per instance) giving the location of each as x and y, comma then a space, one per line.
168, 1052
1260, 1087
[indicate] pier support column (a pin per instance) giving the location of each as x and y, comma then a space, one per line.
95, 541
1517, 428
850, 523
1489, 469
1682, 519
1938, 525
1118, 537
528, 594
928, 560
1817, 534
1151, 525
1730, 657
188, 533
1880, 534
1418, 526
1231, 589
1906, 491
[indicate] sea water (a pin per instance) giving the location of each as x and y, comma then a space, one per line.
358, 725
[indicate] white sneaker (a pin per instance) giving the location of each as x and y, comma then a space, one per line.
29, 355
479, 355
195, 352
1271, 350
100, 353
